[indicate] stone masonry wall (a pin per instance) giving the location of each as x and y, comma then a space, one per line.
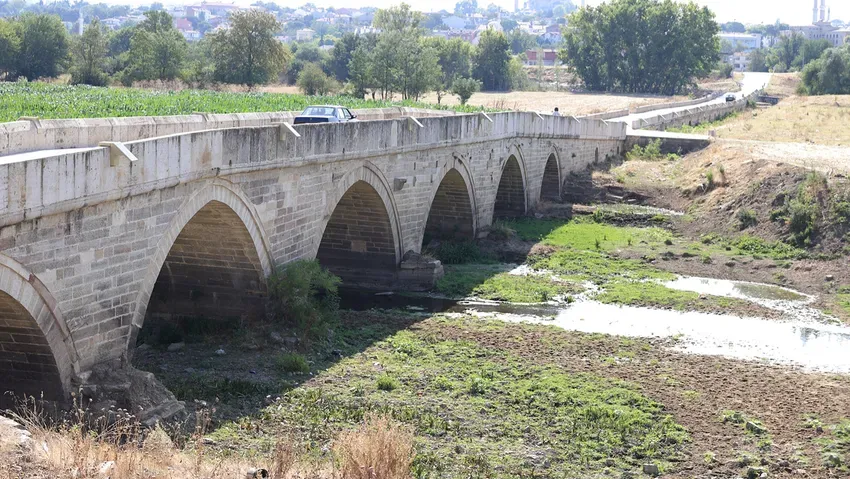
88, 233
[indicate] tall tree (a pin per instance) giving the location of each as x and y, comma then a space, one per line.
455, 59
359, 71
630, 45
248, 53
157, 49
399, 18
829, 74
43, 46
89, 56
492, 61
10, 46
341, 55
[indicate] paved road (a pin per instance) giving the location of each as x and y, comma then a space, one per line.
750, 83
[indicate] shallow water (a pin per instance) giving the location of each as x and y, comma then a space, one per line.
812, 345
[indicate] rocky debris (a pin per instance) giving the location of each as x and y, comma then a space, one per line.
830, 277
174, 347
755, 428
220, 352
138, 392
650, 469
256, 473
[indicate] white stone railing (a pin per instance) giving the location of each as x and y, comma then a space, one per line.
48, 182
33, 134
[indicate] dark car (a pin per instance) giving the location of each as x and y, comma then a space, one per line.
324, 114
731, 97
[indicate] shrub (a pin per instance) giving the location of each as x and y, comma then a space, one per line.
379, 448
457, 252
650, 152
387, 383
709, 179
292, 363
801, 220
501, 231
313, 81
464, 88
303, 295
746, 218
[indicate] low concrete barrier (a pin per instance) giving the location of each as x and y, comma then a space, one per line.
607, 115
36, 134
692, 116
677, 104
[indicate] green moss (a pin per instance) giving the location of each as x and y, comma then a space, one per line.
597, 267
652, 294
583, 233
469, 403
492, 283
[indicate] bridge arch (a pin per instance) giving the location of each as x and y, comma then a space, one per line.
512, 193
551, 183
214, 245
361, 237
38, 355
452, 211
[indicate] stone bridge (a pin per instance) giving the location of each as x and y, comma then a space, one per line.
95, 241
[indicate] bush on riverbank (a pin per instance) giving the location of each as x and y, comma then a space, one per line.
304, 296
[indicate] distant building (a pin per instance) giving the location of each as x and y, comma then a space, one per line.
454, 22
217, 9
305, 34
750, 41
740, 61
550, 57
822, 27
191, 35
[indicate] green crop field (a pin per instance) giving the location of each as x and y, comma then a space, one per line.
50, 101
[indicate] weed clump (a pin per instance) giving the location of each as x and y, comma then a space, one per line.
746, 218
292, 363
650, 152
304, 296
387, 383
462, 252
378, 448
812, 208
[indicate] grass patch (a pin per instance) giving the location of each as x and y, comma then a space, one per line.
292, 363
48, 101
387, 383
835, 447
470, 404
843, 298
492, 283
462, 252
584, 233
597, 267
650, 293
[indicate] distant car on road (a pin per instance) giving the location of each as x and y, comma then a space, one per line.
731, 97
325, 114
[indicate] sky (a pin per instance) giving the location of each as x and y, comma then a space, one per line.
796, 12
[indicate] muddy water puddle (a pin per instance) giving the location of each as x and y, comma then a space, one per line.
804, 337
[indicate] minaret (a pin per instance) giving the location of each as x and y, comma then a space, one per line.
516, 5
822, 10
815, 13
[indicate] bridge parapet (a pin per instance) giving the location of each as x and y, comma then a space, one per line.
48, 182
35, 134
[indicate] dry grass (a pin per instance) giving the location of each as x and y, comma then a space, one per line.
783, 84
82, 448
545, 101
822, 120
378, 449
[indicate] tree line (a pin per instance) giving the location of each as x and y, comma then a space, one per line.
646, 46
38, 46
401, 60
791, 53
829, 74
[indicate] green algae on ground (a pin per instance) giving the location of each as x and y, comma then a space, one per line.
596, 267
585, 234
471, 404
650, 293
491, 282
